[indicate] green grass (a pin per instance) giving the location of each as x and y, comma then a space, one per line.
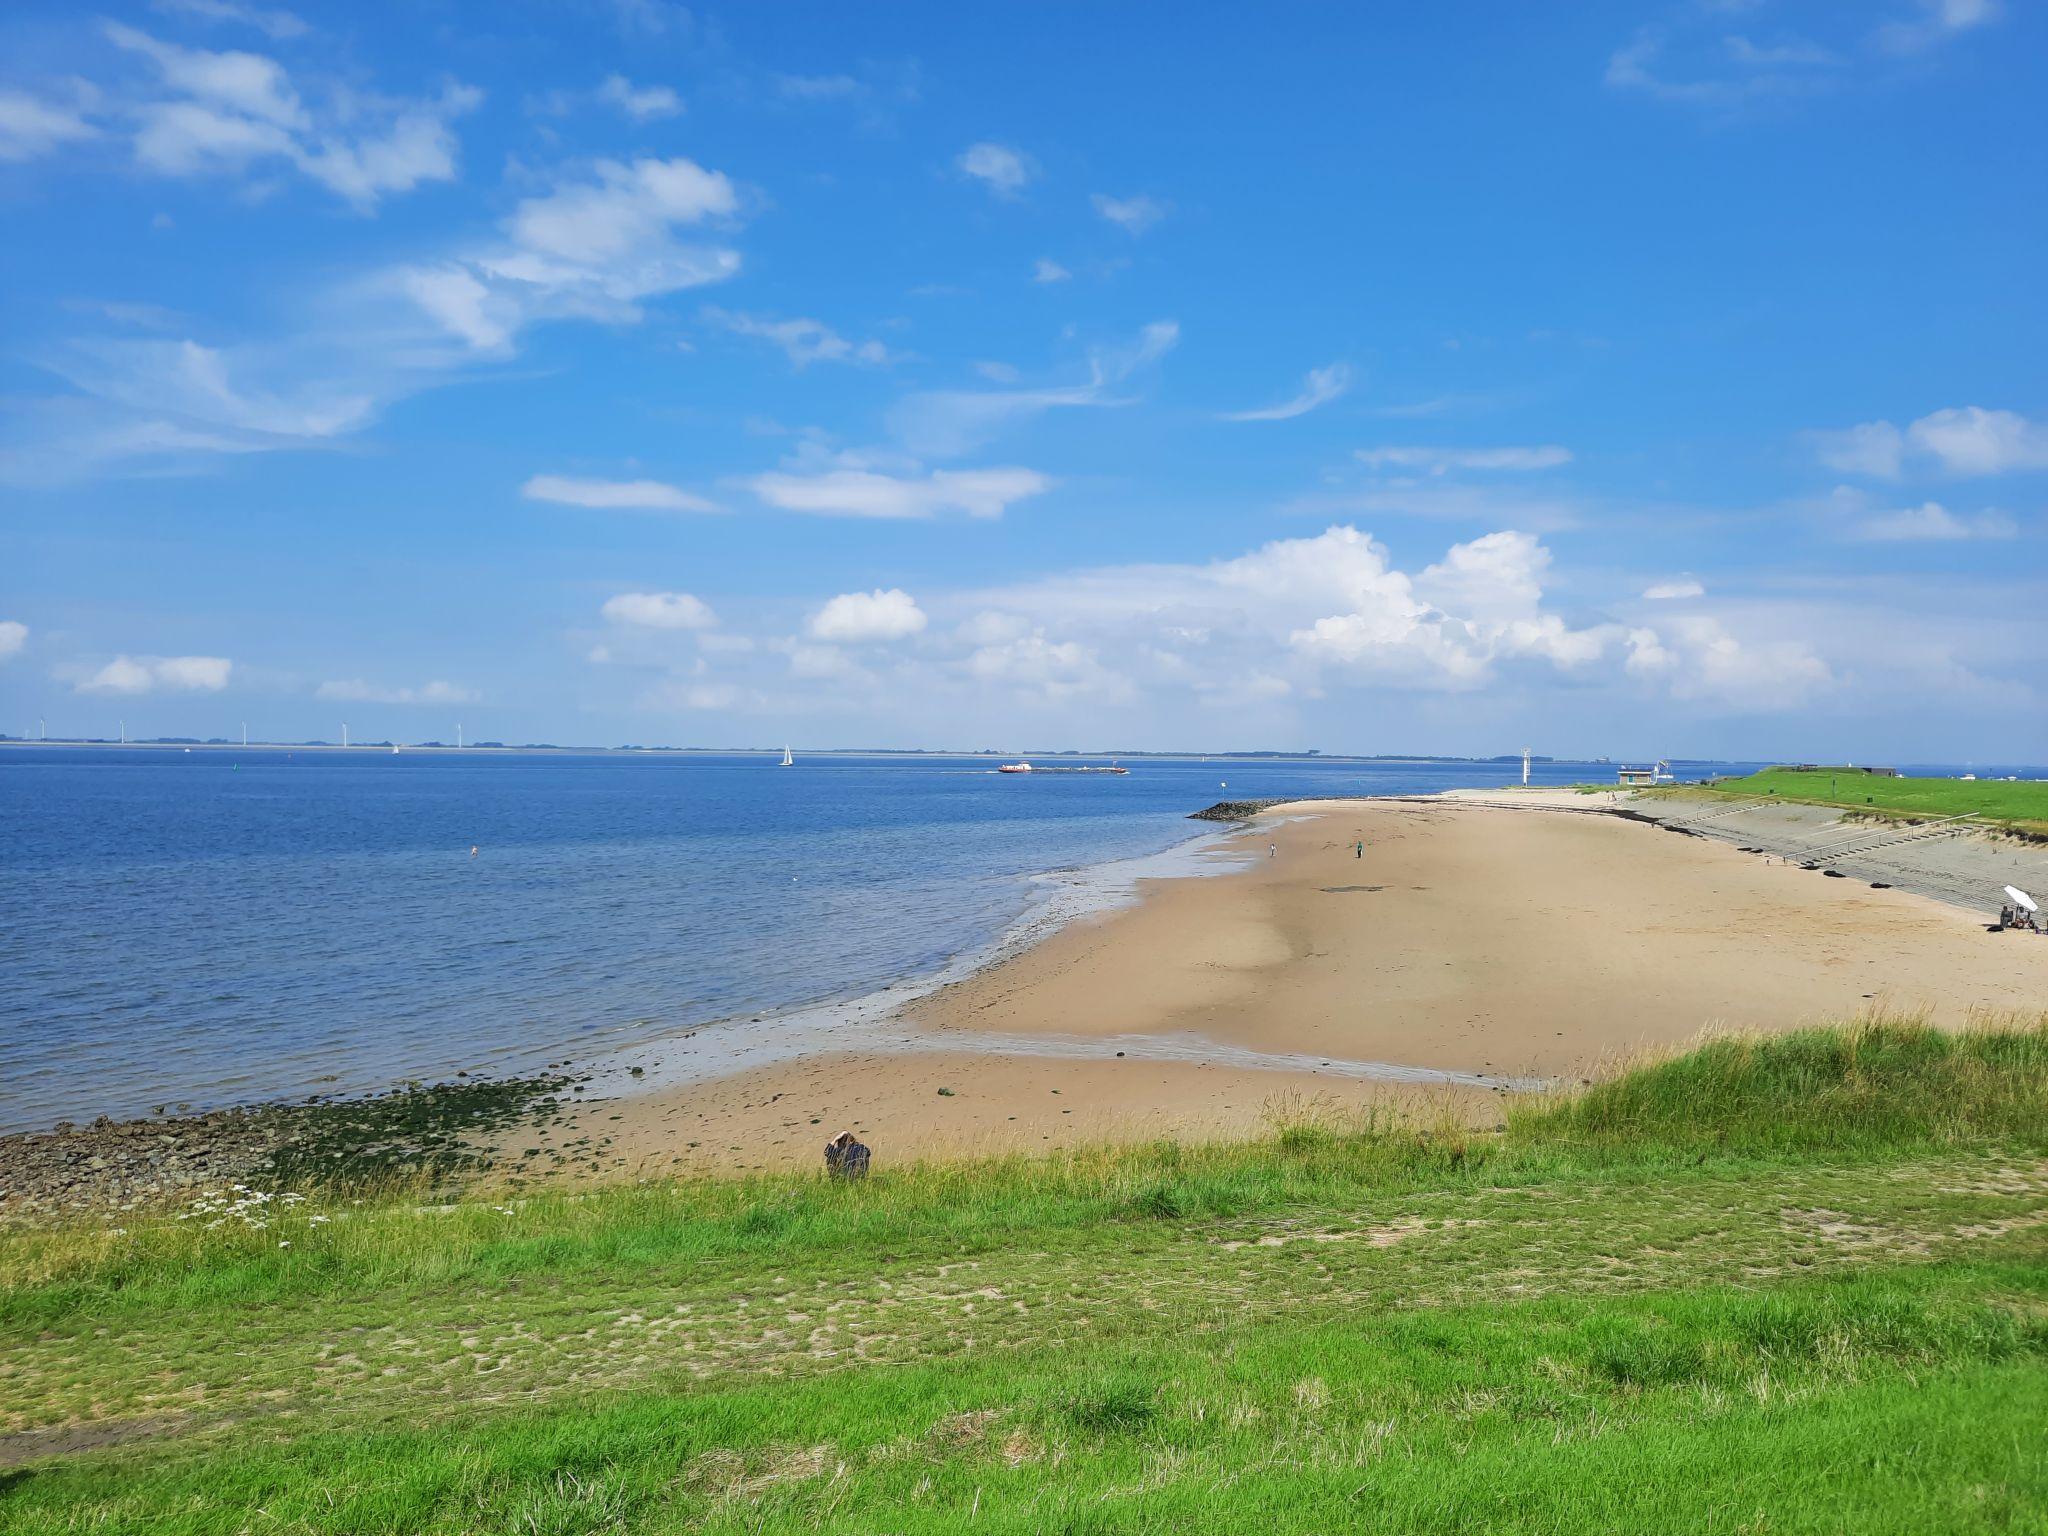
2021, 806
1794, 1284
1885, 1083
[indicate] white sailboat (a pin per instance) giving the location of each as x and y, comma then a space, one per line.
787, 760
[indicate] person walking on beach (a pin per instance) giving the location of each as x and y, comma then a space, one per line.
846, 1158
1272, 850
1358, 849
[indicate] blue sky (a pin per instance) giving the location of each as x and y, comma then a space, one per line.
1624, 378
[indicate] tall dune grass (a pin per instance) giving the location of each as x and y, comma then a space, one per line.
1883, 1082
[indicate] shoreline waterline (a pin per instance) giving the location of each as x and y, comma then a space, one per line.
1419, 956
874, 1022
192, 930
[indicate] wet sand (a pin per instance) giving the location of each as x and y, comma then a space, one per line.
1505, 942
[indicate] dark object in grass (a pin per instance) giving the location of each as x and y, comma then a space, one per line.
846, 1158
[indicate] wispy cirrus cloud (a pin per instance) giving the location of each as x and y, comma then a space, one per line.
1674, 591
1438, 461
1691, 61
1133, 215
614, 495
642, 103
802, 341
33, 126
1932, 522
905, 491
1936, 22
591, 247
278, 25
660, 610
818, 87
355, 691
1320, 387
252, 397
947, 423
210, 113
1855, 515
595, 245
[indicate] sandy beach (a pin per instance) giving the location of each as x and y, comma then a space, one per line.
1508, 943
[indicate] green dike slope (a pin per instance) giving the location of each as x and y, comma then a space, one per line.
1794, 1284
2021, 806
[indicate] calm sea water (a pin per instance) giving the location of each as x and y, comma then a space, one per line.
219, 926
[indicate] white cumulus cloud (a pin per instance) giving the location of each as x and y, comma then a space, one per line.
1307, 616
149, 674
1699, 657
1003, 170
1958, 440
13, 637
1974, 441
853, 618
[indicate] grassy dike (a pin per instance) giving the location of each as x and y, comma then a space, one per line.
1781, 1285
2019, 807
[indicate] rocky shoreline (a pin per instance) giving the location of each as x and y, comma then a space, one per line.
124, 1165
1239, 810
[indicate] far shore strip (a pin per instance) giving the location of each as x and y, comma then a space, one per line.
1466, 939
